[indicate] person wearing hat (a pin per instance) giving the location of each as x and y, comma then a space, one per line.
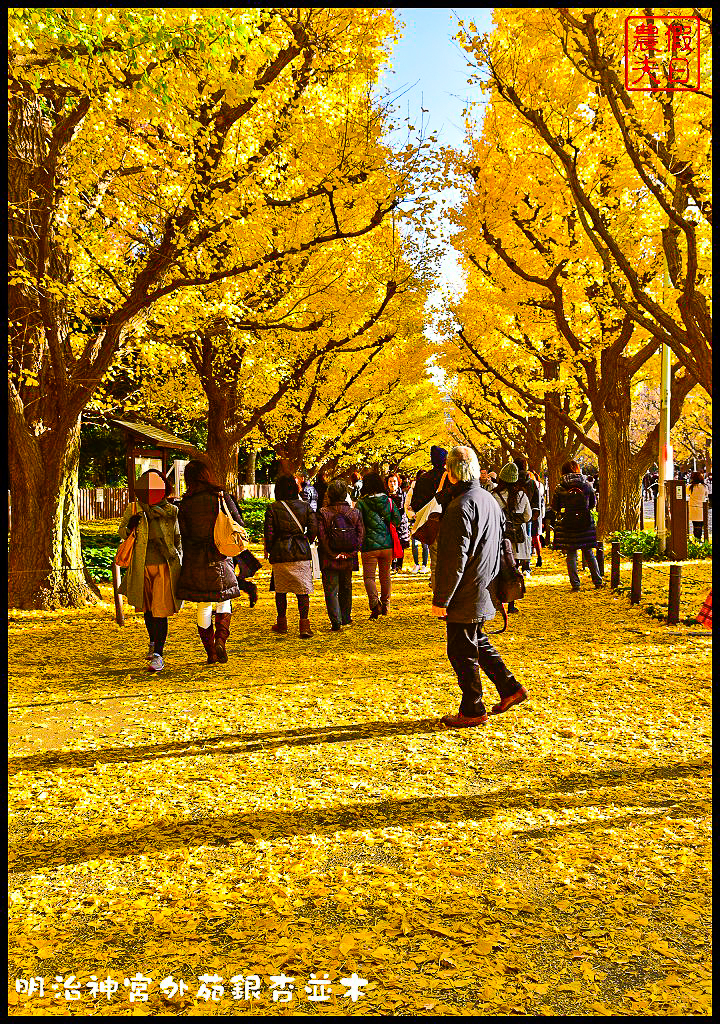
150, 582
529, 485
512, 499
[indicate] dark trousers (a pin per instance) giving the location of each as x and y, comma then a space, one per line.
469, 651
157, 631
337, 584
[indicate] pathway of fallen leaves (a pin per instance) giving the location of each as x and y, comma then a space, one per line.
300, 811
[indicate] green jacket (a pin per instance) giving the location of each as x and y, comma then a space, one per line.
165, 516
377, 511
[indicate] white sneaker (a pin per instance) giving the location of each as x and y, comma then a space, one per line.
415, 570
156, 663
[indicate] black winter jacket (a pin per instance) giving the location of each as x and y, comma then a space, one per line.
468, 553
206, 575
284, 541
566, 538
425, 488
533, 492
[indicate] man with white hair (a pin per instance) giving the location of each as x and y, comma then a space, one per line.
468, 559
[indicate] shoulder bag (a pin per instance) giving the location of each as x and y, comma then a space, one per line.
124, 553
426, 524
397, 547
314, 556
229, 537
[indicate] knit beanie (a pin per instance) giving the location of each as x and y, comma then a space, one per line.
437, 457
509, 473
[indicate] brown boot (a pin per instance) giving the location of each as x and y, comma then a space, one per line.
208, 641
281, 624
222, 632
305, 630
383, 607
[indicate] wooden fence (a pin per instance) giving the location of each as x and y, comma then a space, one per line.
102, 502
97, 503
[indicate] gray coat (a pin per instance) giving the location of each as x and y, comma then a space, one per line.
468, 553
523, 509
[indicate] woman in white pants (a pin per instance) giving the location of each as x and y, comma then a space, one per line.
207, 576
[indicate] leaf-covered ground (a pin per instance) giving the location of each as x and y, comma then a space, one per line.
300, 811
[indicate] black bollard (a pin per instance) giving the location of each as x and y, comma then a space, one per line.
636, 582
674, 594
615, 564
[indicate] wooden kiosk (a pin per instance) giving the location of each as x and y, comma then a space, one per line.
147, 447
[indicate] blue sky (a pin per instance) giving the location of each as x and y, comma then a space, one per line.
431, 69
427, 59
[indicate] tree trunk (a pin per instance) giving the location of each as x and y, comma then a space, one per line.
290, 456
534, 450
250, 461
222, 450
619, 504
553, 469
619, 501
45, 565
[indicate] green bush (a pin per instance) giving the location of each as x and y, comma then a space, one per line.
253, 512
647, 542
637, 540
699, 548
99, 561
98, 540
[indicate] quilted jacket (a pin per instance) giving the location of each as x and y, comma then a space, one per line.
377, 510
206, 575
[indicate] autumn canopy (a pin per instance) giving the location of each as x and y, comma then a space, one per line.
239, 784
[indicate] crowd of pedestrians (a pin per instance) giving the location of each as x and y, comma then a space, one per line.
473, 526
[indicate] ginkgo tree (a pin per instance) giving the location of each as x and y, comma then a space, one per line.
532, 409
552, 295
147, 156
251, 349
618, 154
373, 401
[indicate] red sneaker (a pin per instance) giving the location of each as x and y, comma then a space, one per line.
462, 721
508, 702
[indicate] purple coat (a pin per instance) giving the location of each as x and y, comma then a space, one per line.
324, 519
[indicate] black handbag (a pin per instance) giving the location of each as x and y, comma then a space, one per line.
509, 584
250, 562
